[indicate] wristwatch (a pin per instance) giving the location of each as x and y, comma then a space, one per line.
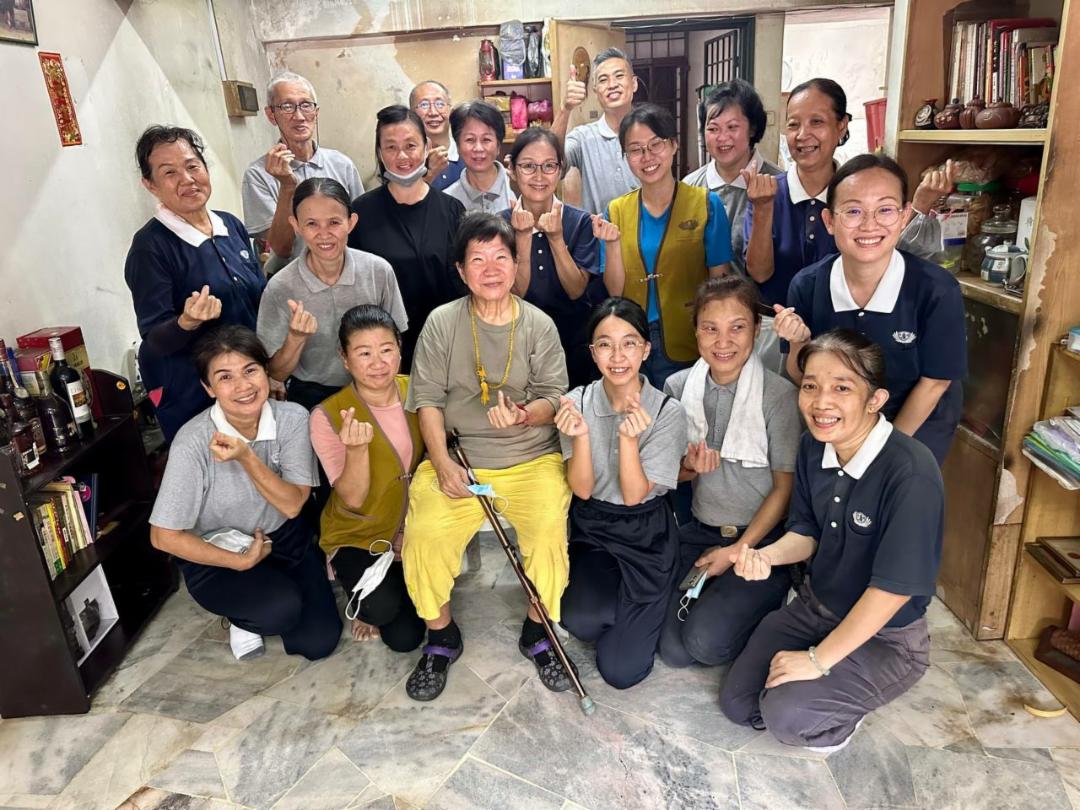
813, 660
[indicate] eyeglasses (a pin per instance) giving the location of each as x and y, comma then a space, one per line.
886, 215
306, 108
528, 167
653, 147
427, 106
628, 346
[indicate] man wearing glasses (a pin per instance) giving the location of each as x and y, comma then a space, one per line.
270, 181
431, 101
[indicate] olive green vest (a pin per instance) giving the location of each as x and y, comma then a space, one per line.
680, 267
382, 514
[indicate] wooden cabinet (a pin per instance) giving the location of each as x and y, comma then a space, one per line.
1009, 338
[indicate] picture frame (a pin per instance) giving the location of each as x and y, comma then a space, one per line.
17, 22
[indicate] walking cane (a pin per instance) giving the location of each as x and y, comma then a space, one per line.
586, 702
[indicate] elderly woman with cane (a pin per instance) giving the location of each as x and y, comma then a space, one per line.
490, 369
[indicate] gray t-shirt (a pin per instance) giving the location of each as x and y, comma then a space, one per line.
732, 493
202, 495
661, 447
444, 376
259, 189
594, 150
495, 200
365, 279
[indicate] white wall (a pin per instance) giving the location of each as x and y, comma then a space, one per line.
67, 215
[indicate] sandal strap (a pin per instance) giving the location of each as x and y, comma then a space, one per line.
446, 652
543, 645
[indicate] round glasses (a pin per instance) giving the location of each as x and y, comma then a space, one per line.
653, 147
627, 345
528, 167
306, 108
427, 106
854, 216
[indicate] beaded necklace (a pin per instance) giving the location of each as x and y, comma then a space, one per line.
481, 373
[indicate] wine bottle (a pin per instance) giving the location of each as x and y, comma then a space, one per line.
67, 382
60, 431
21, 437
7, 386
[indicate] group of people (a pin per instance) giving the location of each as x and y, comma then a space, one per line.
596, 361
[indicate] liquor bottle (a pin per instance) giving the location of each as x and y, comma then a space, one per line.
7, 386
60, 431
26, 412
21, 438
67, 382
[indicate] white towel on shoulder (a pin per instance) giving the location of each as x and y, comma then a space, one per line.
745, 439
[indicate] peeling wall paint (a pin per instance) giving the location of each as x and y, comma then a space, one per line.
1008, 498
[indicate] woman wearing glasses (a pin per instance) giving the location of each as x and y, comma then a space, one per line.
623, 441
911, 308
673, 237
408, 223
558, 248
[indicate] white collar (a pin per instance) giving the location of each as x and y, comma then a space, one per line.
796, 191
498, 189
267, 424
885, 294
604, 130
186, 231
865, 455
713, 180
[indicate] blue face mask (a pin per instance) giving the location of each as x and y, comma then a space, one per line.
687, 598
481, 489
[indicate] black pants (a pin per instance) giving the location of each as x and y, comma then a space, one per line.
388, 607
721, 620
287, 594
621, 566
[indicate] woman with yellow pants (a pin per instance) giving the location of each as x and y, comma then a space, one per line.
490, 367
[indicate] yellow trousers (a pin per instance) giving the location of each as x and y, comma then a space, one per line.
533, 496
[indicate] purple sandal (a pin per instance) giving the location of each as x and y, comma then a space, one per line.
428, 679
552, 673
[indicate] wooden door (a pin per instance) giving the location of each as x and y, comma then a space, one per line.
564, 39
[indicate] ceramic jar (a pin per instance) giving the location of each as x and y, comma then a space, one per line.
949, 118
924, 116
971, 111
999, 115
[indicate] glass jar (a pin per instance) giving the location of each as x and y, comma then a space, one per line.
995, 231
953, 213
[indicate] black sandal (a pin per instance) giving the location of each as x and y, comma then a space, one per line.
428, 679
552, 673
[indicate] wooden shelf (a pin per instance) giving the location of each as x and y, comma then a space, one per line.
995, 137
1063, 688
993, 295
1071, 592
512, 82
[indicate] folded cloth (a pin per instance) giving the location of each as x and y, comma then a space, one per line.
745, 439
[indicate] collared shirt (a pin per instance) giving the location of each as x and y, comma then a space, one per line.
594, 150
735, 201
453, 169
185, 230
916, 315
495, 200
365, 279
878, 520
266, 431
660, 448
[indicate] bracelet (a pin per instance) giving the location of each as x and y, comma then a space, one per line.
813, 660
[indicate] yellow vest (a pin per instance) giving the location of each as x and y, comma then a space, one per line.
680, 267
382, 514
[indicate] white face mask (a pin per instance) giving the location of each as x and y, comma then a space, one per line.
406, 179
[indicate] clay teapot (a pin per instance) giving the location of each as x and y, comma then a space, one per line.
971, 111
999, 115
949, 117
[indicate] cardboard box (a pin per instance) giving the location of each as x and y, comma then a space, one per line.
71, 338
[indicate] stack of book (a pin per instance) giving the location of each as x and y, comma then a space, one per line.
1011, 59
65, 516
1060, 556
1053, 445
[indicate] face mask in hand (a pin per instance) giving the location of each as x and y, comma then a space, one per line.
406, 179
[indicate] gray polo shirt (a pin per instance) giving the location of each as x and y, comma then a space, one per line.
661, 447
201, 495
365, 279
495, 200
735, 201
594, 150
259, 189
732, 493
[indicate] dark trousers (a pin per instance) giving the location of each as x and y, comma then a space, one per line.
388, 607
824, 711
722, 618
281, 596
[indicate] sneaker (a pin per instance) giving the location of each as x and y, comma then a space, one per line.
244, 644
832, 749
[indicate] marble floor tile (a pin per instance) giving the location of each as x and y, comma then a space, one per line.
350, 682
947, 781
785, 783
476, 612
194, 773
24, 801
608, 760
271, 755
372, 793
408, 748
144, 746
994, 694
938, 616
766, 744
1067, 761
149, 798
41, 755
477, 786
951, 644
207, 681
873, 770
332, 783
932, 713
1040, 755
495, 658
492, 562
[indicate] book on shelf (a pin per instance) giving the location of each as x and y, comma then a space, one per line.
62, 516
1005, 58
1053, 565
1066, 550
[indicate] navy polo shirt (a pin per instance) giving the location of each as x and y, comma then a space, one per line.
916, 315
878, 520
167, 261
798, 233
448, 176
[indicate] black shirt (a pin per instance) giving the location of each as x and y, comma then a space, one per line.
878, 520
417, 240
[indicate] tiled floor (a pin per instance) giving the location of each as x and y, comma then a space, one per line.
183, 726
